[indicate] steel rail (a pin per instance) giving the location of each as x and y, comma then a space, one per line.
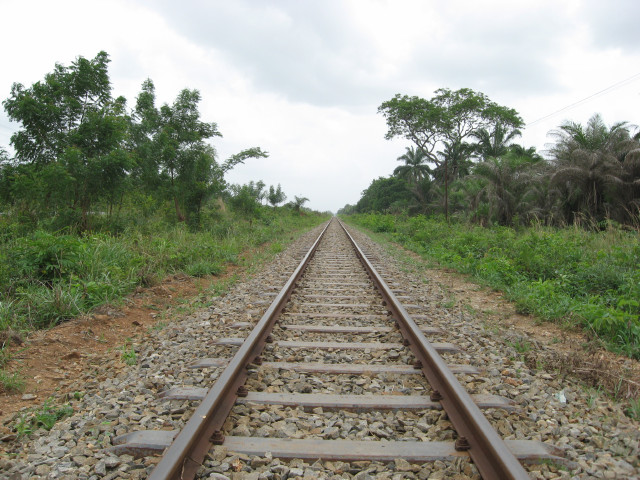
185, 455
475, 434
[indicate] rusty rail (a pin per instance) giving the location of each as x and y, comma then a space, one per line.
475, 434
185, 455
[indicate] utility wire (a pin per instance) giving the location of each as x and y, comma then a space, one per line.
601, 92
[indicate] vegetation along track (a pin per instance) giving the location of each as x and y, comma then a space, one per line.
336, 307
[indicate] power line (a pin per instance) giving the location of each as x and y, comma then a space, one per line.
601, 92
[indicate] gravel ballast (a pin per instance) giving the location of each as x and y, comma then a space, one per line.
598, 439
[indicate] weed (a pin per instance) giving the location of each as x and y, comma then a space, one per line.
46, 277
472, 311
493, 328
593, 396
520, 345
158, 326
551, 463
450, 303
128, 354
276, 247
221, 287
44, 416
633, 410
11, 382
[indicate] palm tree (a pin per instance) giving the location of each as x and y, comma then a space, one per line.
521, 151
454, 163
587, 182
495, 143
595, 136
298, 202
590, 166
415, 171
506, 180
414, 168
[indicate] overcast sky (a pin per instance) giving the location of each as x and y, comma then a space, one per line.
303, 79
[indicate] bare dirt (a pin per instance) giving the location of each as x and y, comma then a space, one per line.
51, 360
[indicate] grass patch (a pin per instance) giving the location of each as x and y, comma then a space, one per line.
11, 382
49, 277
520, 345
633, 410
128, 354
44, 416
571, 276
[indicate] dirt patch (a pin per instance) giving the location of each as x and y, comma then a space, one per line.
52, 360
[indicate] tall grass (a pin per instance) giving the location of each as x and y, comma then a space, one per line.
571, 275
46, 277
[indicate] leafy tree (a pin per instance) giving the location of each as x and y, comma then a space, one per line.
385, 194
348, 209
173, 156
450, 116
71, 126
246, 198
170, 143
5, 168
276, 195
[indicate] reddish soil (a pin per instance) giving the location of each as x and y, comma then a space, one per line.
50, 360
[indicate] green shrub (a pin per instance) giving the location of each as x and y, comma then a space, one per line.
557, 274
48, 277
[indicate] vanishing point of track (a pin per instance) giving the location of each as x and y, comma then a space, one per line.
337, 294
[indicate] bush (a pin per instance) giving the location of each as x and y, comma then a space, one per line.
47, 277
557, 274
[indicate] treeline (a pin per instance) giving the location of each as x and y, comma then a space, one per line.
463, 162
84, 161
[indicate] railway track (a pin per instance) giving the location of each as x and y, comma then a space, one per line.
334, 350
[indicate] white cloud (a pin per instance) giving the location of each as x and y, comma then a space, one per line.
303, 80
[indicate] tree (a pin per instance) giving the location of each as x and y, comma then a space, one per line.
450, 116
385, 194
495, 143
505, 178
246, 198
276, 195
586, 183
170, 143
298, 202
595, 136
590, 168
173, 156
454, 163
631, 175
72, 126
414, 168
414, 171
